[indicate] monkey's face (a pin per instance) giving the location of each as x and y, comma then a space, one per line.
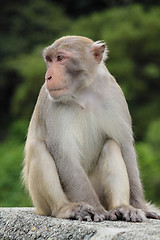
56, 81
71, 65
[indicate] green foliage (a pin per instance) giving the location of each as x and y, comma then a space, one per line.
12, 191
31, 69
23, 26
149, 159
132, 36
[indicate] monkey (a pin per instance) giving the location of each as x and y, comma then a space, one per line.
80, 161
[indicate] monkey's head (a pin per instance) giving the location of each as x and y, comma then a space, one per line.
72, 64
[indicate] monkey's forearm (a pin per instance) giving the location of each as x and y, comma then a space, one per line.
76, 184
136, 189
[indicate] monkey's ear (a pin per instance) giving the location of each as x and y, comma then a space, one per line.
99, 51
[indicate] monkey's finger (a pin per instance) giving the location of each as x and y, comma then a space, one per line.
106, 214
152, 215
114, 215
87, 218
98, 217
126, 216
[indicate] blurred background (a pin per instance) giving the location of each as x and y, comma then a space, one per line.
131, 30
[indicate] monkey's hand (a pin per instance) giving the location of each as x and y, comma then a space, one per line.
127, 213
83, 212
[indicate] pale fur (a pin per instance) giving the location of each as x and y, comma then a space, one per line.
71, 133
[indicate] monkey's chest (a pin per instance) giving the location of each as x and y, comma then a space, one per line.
89, 142
76, 137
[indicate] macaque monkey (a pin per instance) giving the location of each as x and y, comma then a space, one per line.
80, 162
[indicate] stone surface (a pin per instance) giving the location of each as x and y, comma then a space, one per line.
23, 223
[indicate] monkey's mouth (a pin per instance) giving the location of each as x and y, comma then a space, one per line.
55, 92
58, 89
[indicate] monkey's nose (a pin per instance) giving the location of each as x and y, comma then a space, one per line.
49, 78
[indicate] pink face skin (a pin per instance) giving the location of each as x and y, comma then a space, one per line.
56, 83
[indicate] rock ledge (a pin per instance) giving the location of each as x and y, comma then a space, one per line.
23, 223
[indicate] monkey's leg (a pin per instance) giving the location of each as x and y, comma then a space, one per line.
115, 184
45, 188
42, 179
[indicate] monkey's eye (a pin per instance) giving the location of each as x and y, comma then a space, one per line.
48, 59
59, 58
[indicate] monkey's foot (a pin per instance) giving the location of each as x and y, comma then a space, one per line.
83, 212
127, 213
152, 215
